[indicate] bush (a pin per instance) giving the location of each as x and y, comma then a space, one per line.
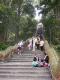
58, 48
3, 46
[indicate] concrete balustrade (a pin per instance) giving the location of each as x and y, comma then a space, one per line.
53, 58
6, 54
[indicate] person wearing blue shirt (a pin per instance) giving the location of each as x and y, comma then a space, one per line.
35, 62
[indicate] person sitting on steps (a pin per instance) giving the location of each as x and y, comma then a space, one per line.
44, 62
35, 62
46, 58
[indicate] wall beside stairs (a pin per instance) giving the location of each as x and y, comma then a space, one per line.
6, 54
53, 59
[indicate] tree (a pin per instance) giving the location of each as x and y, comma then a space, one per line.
28, 9
21, 8
4, 19
11, 12
16, 6
50, 14
28, 27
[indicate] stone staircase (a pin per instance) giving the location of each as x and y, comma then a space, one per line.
19, 68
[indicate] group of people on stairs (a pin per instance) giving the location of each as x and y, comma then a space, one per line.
36, 43
33, 44
41, 63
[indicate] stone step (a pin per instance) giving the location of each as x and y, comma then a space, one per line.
25, 54
19, 61
21, 65
38, 51
13, 75
23, 71
21, 58
16, 74
16, 63
23, 68
31, 52
29, 56
26, 79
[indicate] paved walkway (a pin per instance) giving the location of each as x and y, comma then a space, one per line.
19, 67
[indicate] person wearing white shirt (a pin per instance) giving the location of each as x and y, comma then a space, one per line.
20, 46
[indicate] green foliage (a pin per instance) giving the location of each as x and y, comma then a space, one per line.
50, 3
52, 30
17, 2
3, 46
4, 11
20, 8
57, 48
28, 27
28, 9
57, 22
48, 24
11, 12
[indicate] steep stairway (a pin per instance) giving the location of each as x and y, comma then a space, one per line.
19, 68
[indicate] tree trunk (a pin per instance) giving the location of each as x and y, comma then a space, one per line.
2, 37
17, 26
17, 34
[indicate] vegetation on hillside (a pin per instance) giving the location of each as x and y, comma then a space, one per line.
16, 20
51, 20
11, 11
